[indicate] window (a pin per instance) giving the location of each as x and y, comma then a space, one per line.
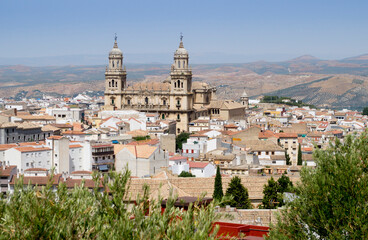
178, 83
192, 150
128, 101
181, 84
179, 64
178, 116
183, 64
113, 63
27, 164
146, 100
164, 102
266, 153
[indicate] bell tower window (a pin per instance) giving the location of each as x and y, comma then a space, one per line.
113, 83
179, 63
113, 63
146, 100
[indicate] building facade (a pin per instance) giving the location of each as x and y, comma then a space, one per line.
176, 98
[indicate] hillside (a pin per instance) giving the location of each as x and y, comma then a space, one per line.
332, 83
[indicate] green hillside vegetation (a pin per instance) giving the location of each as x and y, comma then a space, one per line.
285, 100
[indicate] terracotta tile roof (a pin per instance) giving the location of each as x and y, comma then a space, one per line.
55, 137
36, 170
6, 172
139, 151
145, 142
7, 146
40, 143
267, 134
37, 117
230, 126
178, 158
32, 149
71, 183
37, 180
137, 133
73, 133
287, 135
75, 146
198, 164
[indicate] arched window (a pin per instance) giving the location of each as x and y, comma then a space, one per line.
178, 83
183, 64
163, 116
109, 84
113, 83
116, 84
146, 100
128, 101
113, 63
117, 63
179, 64
175, 84
182, 85
164, 102
178, 116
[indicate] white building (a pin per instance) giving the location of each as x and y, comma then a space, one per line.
29, 157
178, 164
66, 114
202, 169
142, 160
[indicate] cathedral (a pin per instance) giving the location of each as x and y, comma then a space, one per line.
176, 98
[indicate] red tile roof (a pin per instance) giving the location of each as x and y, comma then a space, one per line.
32, 149
36, 170
198, 164
178, 158
6, 172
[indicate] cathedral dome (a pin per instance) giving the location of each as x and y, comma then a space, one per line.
115, 50
181, 50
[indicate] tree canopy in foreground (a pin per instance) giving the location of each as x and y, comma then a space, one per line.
331, 200
31, 213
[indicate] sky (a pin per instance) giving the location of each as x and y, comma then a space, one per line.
82, 31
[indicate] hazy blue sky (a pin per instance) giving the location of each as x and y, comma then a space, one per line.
213, 30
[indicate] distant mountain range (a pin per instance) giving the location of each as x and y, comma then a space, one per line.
331, 83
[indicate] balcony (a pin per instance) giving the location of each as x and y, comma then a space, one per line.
102, 153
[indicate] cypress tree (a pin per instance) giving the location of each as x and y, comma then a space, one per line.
300, 159
287, 157
218, 193
239, 194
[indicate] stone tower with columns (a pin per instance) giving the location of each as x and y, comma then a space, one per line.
244, 99
115, 77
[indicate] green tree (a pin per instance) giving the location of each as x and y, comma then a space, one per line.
300, 158
285, 185
218, 192
186, 174
271, 198
238, 194
365, 111
331, 199
287, 157
180, 139
79, 213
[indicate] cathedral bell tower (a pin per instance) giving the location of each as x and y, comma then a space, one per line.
181, 75
115, 78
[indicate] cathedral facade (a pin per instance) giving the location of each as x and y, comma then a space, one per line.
176, 98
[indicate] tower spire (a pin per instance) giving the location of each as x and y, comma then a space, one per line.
116, 41
181, 45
